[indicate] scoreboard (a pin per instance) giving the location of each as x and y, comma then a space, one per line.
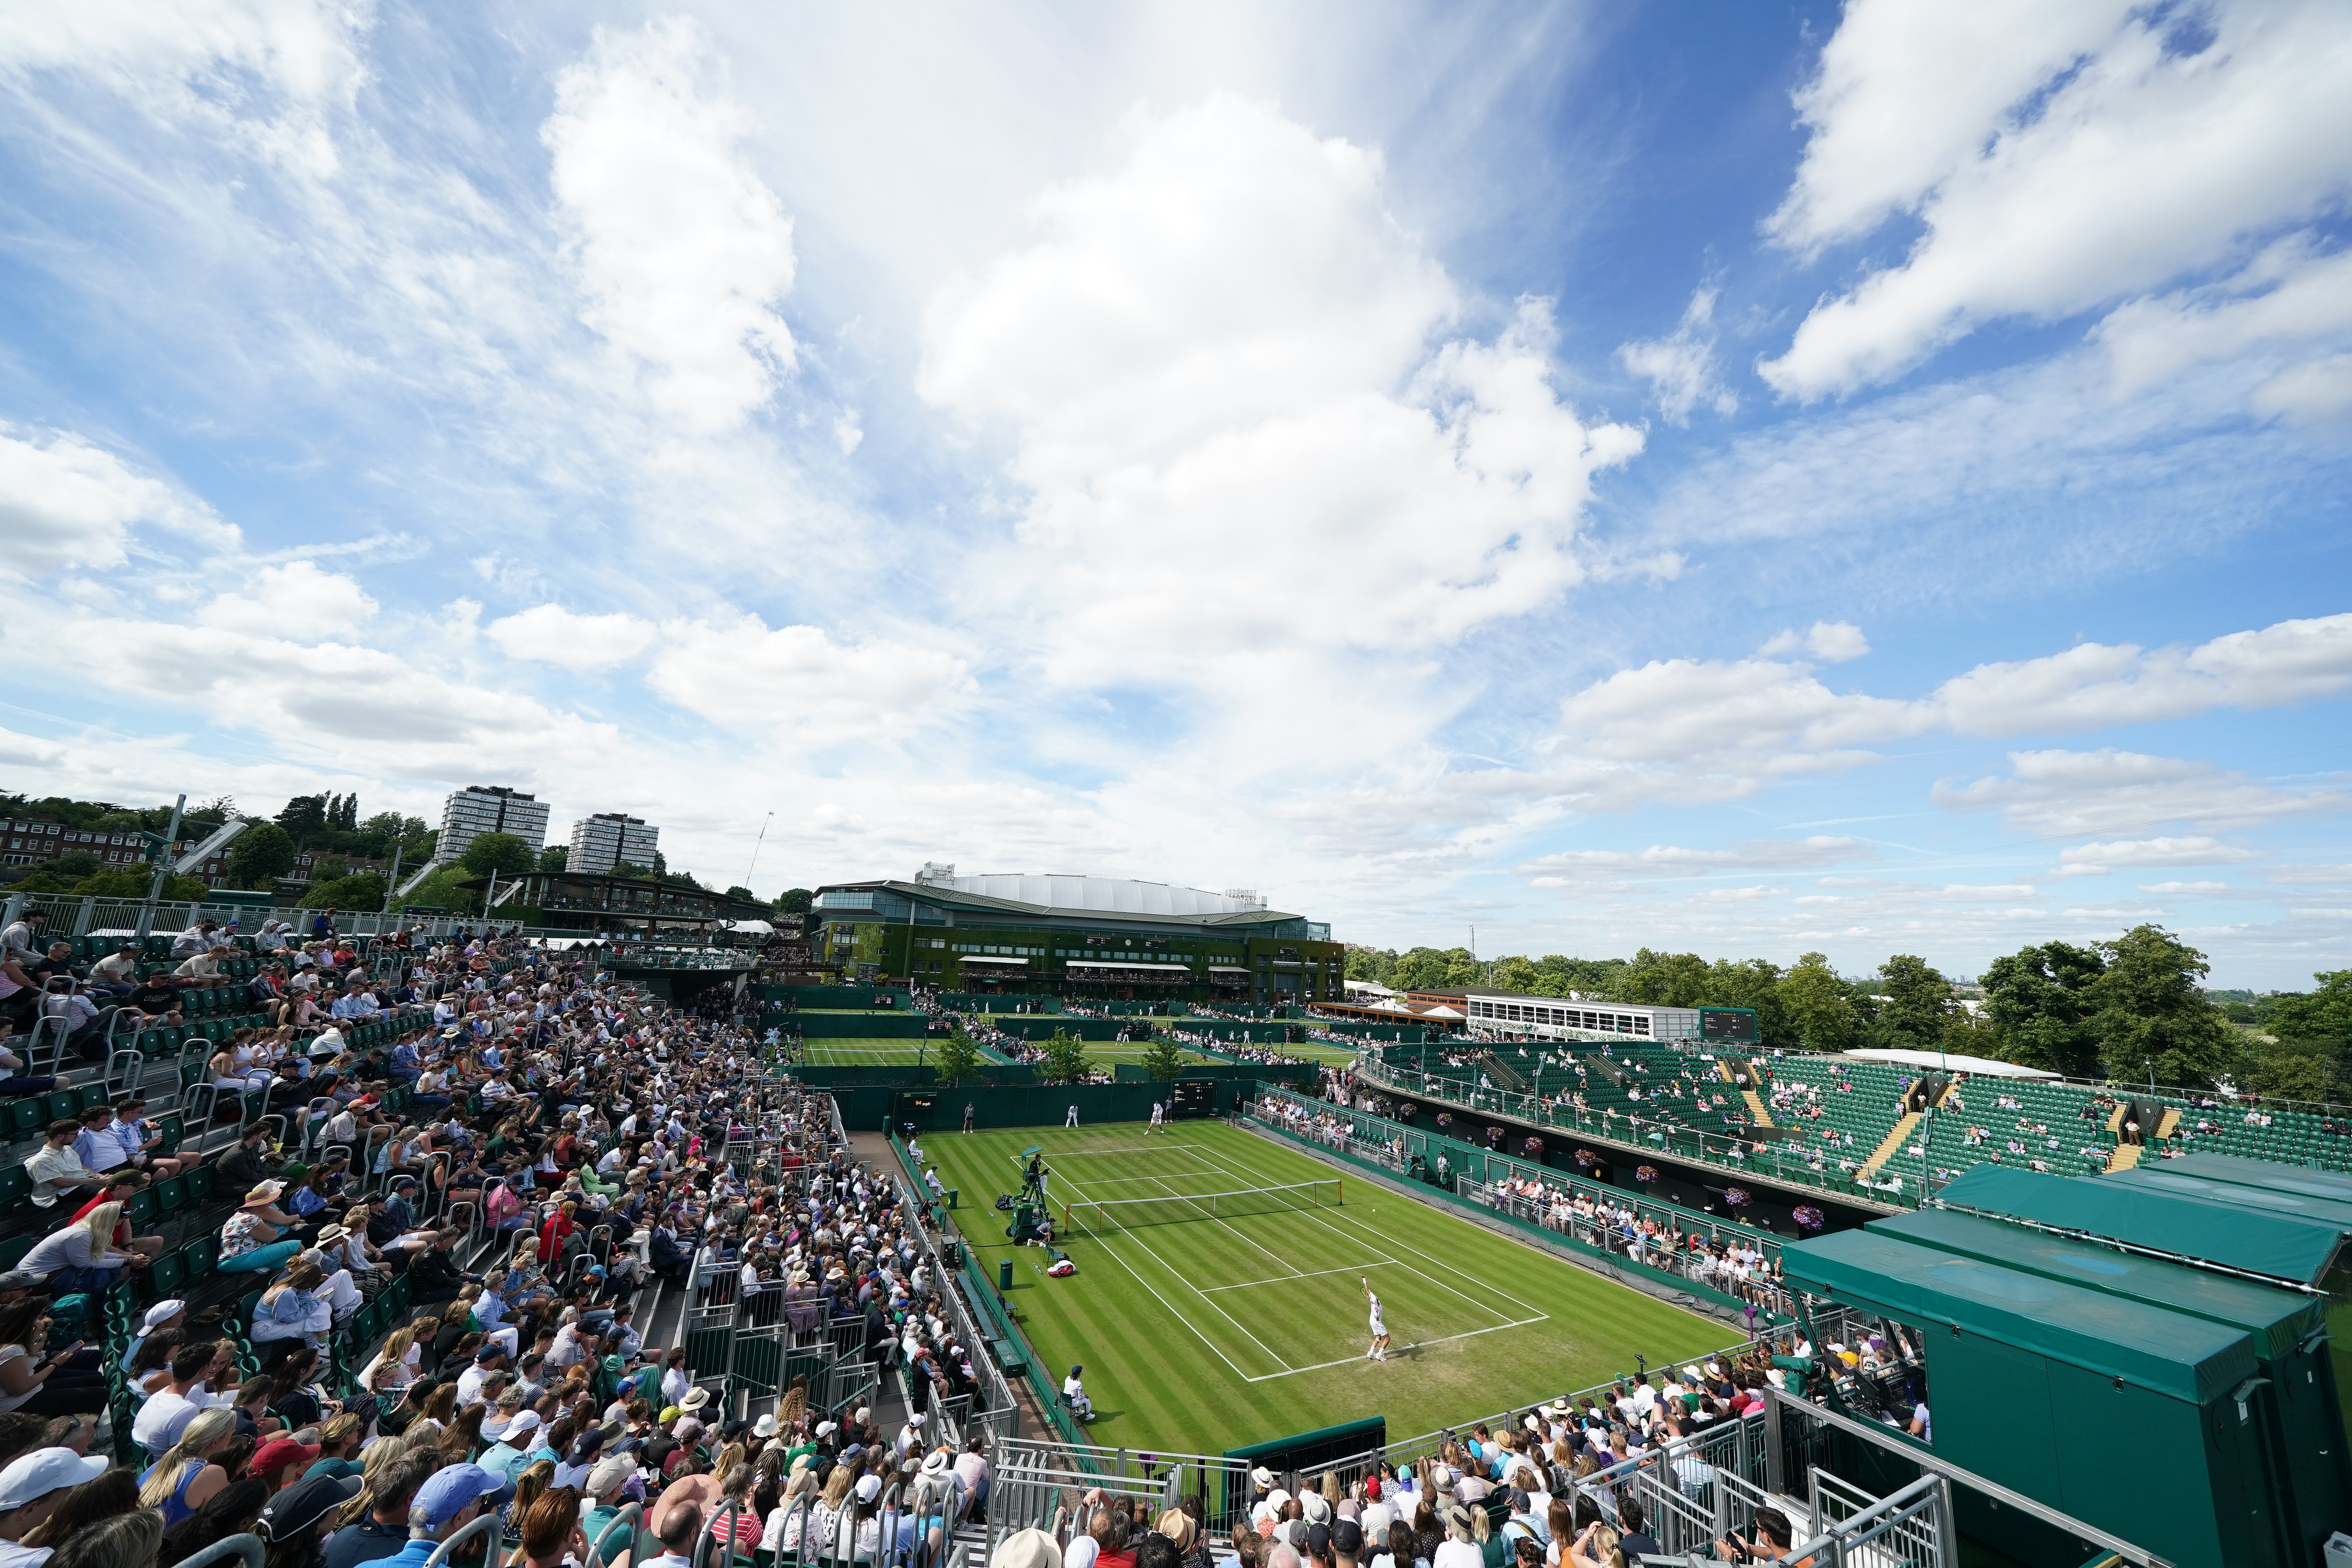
1193, 1097
1727, 1026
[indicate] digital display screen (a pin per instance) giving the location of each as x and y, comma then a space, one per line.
1731, 1025
1193, 1097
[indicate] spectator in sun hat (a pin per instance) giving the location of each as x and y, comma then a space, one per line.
449, 1501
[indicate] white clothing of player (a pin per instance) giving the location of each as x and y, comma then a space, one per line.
1071, 1119
1157, 1111
1380, 1351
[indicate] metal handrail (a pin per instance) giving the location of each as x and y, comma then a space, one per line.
629, 1515
247, 1546
486, 1522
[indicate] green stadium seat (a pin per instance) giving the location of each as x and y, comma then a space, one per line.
171, 1194
201, 1256
13, 1250
142, 1208
91, 1095
63, 1105
164, 1277
173, 1131
24, 1116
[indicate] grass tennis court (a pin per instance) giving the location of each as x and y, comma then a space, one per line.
864, 1052
1200, 1335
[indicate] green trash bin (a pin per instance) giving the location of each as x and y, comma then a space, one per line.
952, 1197
1004, 1274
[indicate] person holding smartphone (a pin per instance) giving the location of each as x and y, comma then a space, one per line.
66, 1383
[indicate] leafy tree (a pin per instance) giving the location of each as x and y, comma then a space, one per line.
327, 867
1917, 1007
261, 855
1065, 1058
1374, 965
1430, 969
956, 1057
743, 893
2038, 1002
1819, 1005
794, 902
1163, 1058
1666, 979
362, 891
1602, 979
1515, 974
441, 891
2321, 1018
75, 864
503, 852
632, 870
303, 817
1967, 1034
2152, 1018
555, 858
2292, 1075
132, 882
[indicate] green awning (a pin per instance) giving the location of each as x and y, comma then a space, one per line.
2259, 1239
2277, 1316
2167, 1353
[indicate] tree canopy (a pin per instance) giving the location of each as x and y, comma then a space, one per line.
503, 852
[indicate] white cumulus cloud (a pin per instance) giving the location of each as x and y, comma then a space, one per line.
2106, 791
553, 635
801, 682
682, 249
297, 600
1832, 642
1680, 367
64, 502
1660, 861
2142, 854
1237, 422
2080, 155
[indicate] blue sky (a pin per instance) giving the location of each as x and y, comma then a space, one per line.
1748, 479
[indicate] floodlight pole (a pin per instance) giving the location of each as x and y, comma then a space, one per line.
162, 869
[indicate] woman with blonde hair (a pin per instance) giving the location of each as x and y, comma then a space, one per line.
81, 1258
1596, 1548
532, 1483
185, 1477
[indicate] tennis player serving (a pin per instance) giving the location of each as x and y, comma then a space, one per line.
1380, 1351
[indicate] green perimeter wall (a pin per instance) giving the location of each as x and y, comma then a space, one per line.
877, 1026
875, 1107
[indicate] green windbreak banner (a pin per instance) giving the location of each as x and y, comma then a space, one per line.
2164, 1352
2257, 1238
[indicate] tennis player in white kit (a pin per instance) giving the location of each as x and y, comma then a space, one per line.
1380, 1351
1158, 1109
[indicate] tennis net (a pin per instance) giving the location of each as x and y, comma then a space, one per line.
1097, 1216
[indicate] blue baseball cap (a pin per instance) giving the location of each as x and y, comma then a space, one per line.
446, 1492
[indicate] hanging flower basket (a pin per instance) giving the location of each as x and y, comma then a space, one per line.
1645, 1174
1808, 1217
1735, 1197
1587, 1158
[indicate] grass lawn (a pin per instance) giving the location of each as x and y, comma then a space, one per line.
1201, 1335
855, 1052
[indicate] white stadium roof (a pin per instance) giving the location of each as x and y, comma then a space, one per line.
1103, 895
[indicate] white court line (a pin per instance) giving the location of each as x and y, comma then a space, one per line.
1214, 1220
1113, 1254
1286, 1279
1319, 1217
1350, 1360
1134, 1148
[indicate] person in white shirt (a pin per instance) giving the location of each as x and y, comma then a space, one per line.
31, 1488
1074, 1394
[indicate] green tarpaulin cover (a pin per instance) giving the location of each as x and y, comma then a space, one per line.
2259, 1238
2278, 1317
2165, 1352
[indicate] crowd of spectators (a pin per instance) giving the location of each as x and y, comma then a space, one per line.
534, 1148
